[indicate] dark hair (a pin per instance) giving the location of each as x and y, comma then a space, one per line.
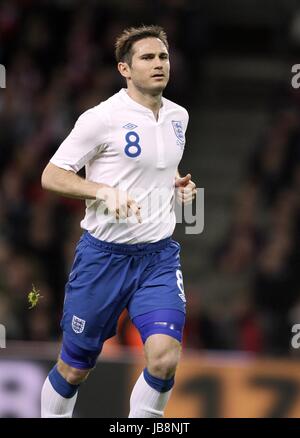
129, 36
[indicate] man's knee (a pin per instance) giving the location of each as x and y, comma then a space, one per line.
162, 355
72, 375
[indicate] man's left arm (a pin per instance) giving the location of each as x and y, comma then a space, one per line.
186, 188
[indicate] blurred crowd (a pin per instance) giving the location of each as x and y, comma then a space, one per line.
59, 57
258, 262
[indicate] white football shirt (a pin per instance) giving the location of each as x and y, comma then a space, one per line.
121, 144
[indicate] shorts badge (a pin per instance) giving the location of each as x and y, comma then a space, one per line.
78, 324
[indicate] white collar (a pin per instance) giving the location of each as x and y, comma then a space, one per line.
131, 102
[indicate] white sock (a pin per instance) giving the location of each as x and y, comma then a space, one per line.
146, 402
54, 405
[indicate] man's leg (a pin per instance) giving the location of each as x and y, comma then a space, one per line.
59, 392
162, 350
154, 386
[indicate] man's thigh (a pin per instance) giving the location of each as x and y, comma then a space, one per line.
94, 297
161, 286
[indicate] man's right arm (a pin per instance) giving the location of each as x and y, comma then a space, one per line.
86, 140
81, 145
68, 183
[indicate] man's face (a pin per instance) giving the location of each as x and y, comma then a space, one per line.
150, 65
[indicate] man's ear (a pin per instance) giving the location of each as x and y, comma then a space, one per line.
124, 69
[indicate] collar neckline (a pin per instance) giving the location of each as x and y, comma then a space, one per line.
136, 105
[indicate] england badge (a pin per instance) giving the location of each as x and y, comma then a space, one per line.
78, 324
179, 132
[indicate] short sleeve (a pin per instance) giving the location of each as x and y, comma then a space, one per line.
86, 140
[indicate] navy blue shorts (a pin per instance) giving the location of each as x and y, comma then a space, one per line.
107, 277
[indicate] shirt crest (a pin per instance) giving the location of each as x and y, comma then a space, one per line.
179, 131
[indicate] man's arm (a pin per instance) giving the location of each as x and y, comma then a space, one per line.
68, 183
186, 188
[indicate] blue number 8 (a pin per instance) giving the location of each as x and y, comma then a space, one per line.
132, 144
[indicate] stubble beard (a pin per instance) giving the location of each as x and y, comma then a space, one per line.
155, 91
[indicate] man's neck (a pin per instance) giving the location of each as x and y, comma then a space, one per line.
154, 103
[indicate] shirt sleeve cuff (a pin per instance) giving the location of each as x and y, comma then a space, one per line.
64, 165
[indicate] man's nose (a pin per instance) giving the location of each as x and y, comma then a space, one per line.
158, 64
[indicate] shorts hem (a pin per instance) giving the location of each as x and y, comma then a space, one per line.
156, 308
86, 346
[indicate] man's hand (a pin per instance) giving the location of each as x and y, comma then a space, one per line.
186, 189
119, 203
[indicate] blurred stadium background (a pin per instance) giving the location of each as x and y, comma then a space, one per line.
231, 68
